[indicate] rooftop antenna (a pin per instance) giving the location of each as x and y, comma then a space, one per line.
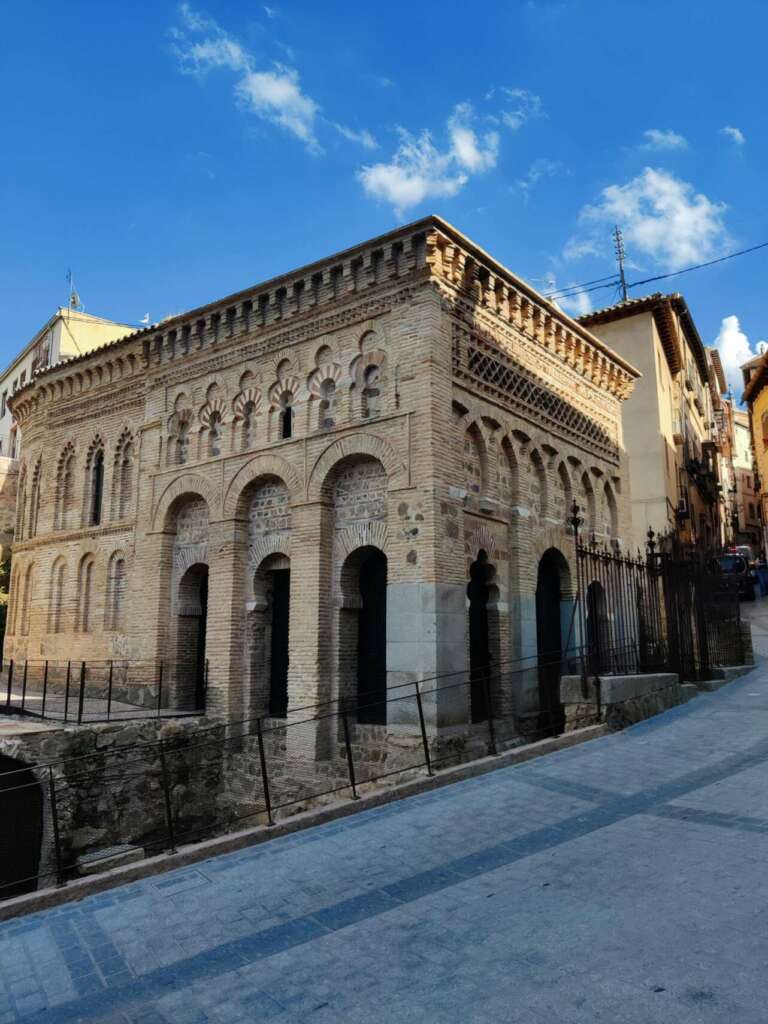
74, 298
618, 241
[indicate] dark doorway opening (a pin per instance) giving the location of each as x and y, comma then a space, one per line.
191, 637
21, 828
278, 654
549, 640
478, 593
372, 640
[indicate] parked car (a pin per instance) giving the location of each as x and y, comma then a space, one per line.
739, 570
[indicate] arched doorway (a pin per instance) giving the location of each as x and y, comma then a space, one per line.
192, 622
21, 831
597, 628
480, 662
551, 583
371, 669
268, 636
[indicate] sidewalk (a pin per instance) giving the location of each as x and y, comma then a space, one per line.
619, 881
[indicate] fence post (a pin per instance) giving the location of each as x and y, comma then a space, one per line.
167, 798
160, 689
10, 683
264, 779
45, 688
24, 685
350, 763
81, 700
427, 759
491, 726
66, 689
55, 821
109, 691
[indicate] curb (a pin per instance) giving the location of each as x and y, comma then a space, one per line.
45, 899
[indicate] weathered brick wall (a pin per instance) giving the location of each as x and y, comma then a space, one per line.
406, 435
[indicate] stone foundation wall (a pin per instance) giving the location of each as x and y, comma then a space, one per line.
623, 700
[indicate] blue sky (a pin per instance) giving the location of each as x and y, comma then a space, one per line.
174, 154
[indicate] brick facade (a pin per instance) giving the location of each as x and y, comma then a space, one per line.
409, 395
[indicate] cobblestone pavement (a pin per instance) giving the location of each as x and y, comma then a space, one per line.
621, 881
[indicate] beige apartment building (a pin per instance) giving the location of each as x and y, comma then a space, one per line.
350, 477
671, 435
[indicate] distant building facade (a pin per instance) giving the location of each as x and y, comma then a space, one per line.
747, 513
353, 476
755, 374
671, 435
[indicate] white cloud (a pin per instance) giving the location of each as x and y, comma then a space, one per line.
276, 96
526, 106
273, 94
662, 218
416, 172
270, 12
577, 248
420, 170
734, 134
576, 304
364, 137
472, 153
663, 138
735, 350
539, 169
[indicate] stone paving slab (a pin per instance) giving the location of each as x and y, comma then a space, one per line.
618, 881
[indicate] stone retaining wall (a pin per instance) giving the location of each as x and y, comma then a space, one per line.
623, 700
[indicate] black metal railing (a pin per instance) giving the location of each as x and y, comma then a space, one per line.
102, 691
211, 779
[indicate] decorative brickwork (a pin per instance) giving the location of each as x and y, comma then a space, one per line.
252, 473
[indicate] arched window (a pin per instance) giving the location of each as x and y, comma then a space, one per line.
765, 429
56, 606
248, 434
116, 585
371, 392
215, 429
84, 595
181, 446
96, 487
286, 415
327, 411
26, 601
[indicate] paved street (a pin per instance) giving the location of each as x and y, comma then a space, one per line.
620, 881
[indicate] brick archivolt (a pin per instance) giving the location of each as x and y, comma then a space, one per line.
256, 468
355, 444
187, 485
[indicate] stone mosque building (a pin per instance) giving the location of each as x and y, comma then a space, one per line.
352, 476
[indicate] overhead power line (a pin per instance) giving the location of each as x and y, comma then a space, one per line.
613, 281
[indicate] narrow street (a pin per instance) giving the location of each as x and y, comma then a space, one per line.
620, 881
